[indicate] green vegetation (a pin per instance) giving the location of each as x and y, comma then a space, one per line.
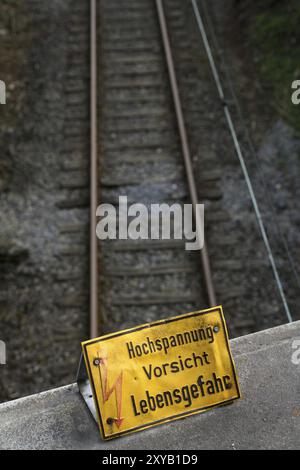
274, 31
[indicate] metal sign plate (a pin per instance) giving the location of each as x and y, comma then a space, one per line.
160, 371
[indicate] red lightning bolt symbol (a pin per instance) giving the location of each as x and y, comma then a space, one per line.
106, 391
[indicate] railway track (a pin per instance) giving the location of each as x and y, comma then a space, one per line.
45, 268
146, 49
140, 158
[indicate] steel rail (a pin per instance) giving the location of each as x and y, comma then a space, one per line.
94, 305
185, 149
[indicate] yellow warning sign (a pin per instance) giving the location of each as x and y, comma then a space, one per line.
160, 371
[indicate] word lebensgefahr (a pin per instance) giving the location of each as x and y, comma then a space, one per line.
186, 394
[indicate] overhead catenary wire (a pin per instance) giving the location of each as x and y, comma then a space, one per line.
241, 157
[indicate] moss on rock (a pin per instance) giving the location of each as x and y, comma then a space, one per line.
273, 29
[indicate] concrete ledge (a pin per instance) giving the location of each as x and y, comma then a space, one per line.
268, 416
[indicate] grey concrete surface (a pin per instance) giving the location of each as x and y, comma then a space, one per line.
268, 416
